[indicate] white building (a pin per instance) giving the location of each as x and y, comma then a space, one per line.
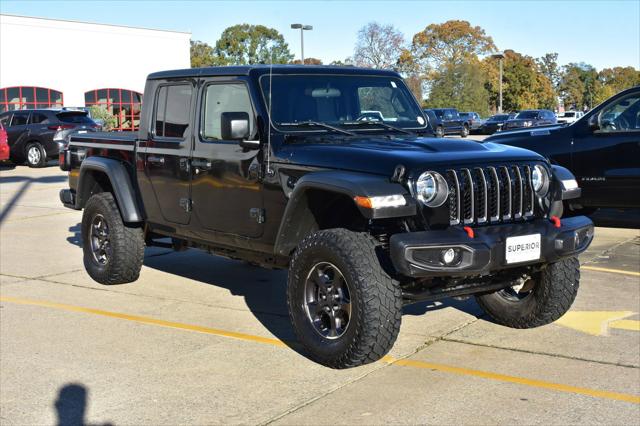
51, 63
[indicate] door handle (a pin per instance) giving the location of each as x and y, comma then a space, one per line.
155, 160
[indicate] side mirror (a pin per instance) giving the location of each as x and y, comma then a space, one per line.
234, 126
594, 123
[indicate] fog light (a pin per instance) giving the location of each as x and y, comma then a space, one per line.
448, 256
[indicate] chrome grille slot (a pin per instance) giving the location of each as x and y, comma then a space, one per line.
490, 194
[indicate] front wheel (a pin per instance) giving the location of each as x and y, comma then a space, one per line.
345, 309
439, 132
113, 251
464, 132
539, 300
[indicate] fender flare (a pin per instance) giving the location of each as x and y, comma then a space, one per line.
565, 185
123, 190
298, 220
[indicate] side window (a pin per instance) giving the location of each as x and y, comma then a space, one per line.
4, 119
173, 104
621, 116
37, 118
19, 118
219, 98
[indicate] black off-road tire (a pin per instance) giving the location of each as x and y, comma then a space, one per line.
376, 299
127, 243
555, 290
41, 160
439, 132
465, 131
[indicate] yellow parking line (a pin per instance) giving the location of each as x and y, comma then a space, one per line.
614, 271
387, 359
631, 325
146, 320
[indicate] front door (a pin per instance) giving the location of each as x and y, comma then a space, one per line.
18, 130
166, 153
226, 191
606, 161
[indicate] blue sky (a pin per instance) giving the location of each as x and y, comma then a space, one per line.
601, 33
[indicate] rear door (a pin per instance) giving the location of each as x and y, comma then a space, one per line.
606, 162
226, 191
166, 152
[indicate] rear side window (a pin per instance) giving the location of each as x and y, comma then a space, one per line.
75, 118
37, 118
19, 119
173, 104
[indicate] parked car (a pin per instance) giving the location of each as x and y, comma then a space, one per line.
449, 122
493, 124
602, 150
530, 118
4, 144
365, 215
474, 120
569, 117
38, 135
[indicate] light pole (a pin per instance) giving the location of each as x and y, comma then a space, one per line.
500, 57
302, 29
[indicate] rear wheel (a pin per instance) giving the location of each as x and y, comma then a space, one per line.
439, 132
539, 300
113, 251
35, 154
344, 308
464, 132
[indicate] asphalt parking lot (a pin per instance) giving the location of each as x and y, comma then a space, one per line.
202, 340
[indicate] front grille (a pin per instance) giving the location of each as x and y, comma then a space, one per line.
490, 194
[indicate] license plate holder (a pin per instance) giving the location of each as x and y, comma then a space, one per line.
523, 248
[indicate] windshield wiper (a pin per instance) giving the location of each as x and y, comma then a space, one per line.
309, 123
378, 123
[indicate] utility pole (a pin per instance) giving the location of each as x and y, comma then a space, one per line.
500, 57
302, 29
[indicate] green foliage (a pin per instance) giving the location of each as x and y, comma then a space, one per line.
614, 80
109, 121
548, 66
461, 86
307, 61
201, 54
246, 44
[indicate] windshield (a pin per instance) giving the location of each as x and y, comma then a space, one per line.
527, 114
74, 117
501, 117
569, 114
341, 100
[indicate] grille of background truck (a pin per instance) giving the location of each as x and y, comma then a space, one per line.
484, 195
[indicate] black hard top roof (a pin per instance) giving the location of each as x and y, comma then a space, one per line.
264, 69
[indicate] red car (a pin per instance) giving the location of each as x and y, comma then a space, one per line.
4, 144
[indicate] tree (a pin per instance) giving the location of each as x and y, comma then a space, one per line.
460, 85
524, 86
452, 42
579, 85
614, 80
308, 61
201, 54
378, 46
548, 65
246, 44
109, 121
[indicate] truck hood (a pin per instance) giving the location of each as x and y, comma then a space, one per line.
380, 155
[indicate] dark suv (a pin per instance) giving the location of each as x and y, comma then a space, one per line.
39, 134
447, 121
531, 118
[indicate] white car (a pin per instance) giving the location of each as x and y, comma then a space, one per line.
569, 116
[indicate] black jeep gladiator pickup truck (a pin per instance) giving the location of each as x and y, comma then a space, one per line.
276, 166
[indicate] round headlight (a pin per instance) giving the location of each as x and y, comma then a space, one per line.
432, 189
540, 180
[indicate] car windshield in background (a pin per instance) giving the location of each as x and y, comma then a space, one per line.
342, 101
499, 117
527, 114
75, 118
569, 114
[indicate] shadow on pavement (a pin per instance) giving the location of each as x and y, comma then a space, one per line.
26, 183
71, 405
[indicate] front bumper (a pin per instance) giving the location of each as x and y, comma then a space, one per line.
416, 254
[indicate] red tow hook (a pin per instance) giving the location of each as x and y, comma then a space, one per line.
469, 231
556, 221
